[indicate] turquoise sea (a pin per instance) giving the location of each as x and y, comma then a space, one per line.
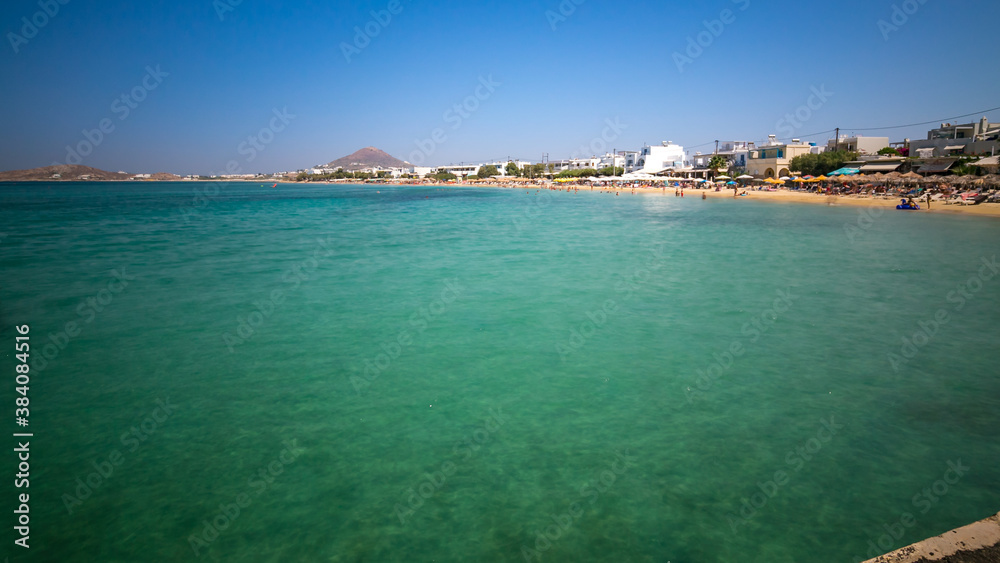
343, 373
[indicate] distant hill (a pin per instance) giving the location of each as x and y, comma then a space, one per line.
165, 176
367, 158
66, 172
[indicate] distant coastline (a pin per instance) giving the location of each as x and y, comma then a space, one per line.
779, 196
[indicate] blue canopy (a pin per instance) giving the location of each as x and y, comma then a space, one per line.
845, 172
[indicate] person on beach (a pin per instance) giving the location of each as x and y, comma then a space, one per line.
928, 201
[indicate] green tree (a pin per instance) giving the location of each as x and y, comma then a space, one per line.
889, 151
964, 170
609, 171
716, 163
487, 171
823, 163
512, 169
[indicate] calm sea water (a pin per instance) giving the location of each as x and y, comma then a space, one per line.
316, 373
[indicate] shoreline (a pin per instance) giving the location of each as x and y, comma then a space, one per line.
778, 196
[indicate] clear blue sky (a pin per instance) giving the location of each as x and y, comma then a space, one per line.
559, 79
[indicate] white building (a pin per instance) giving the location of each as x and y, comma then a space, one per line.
859, 144
954, 139
736, 154
655, 158
558, 166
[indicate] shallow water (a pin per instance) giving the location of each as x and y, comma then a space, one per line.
428, 374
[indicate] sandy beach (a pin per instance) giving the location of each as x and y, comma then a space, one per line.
778, 196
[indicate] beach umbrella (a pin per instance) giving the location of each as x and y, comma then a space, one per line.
730, 183
745, 177
723, 178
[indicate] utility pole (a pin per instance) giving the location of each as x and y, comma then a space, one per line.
836, 146
716, 146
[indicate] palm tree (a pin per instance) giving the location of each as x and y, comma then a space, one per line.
716, 163
964, 169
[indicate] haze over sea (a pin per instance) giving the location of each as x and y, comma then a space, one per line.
338, 373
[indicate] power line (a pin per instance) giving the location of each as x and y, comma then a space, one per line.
923, 123
875, 128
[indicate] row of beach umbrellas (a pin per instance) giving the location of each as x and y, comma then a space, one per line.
893, 177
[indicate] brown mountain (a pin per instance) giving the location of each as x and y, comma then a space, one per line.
67, 172
367, 158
